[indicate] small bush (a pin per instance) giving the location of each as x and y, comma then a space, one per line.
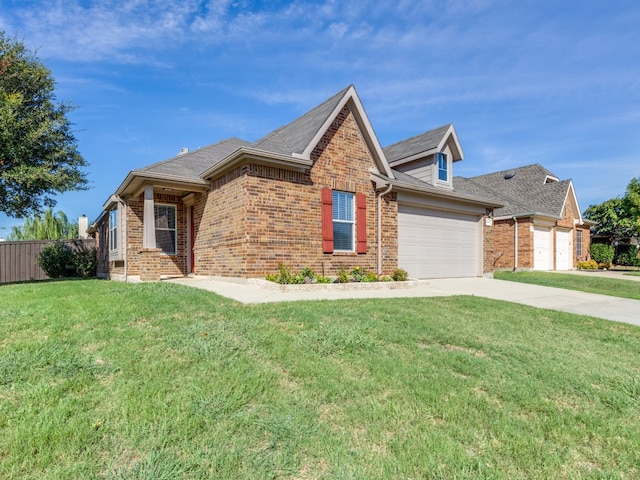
57, 260
372, 277
343, 275
272, 277
284, 277
85, 262
400, 275
602, 253
359, 274
306, 275
588, 265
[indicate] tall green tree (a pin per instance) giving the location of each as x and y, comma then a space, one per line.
48, 226
38, 151
632, 203
618, 218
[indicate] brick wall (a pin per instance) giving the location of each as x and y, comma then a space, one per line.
503, 248
257, 216
220, 226
488, 254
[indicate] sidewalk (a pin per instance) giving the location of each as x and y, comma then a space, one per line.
581, 303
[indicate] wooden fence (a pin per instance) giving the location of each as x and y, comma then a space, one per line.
18, 259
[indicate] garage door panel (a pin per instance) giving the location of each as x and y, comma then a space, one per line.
435, 244
542, 248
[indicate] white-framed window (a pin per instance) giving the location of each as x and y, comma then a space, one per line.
343, 221
579, 243
166, 231
443, 167
113, 229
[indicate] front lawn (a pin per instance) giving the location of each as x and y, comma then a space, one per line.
584, 283
159, 381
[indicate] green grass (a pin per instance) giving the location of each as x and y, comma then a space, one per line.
634, 274
583, 283
158, 381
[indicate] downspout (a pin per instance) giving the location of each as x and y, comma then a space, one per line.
380, 195
515, 244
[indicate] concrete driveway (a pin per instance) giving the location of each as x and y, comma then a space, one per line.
601, 306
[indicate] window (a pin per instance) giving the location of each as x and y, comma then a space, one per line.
579, 243
443, 167
113, 229
343, 221
166, 233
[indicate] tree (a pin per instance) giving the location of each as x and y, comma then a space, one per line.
632, 203
49, 226
618, 218
38, 151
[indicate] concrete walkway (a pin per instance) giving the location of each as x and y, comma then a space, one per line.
601, 306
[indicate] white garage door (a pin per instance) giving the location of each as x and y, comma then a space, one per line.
542, 248
563, 249
434, 244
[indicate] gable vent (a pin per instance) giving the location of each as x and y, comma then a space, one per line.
509, 174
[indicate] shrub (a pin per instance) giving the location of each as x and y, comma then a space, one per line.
57, 260
60, 260
627, 255
306, 275
284, 276
602, 253
85, 262
400, 275
343, 275
372, 277
360, 274
588, 265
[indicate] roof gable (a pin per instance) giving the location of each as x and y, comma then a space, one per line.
423, 145
301, 136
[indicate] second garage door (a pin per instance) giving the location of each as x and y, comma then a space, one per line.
435, 244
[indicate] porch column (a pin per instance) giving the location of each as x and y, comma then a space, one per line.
148, 219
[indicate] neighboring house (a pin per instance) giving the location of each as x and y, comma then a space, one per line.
319, 192
539, 226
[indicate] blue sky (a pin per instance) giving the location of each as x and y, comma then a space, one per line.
549, 82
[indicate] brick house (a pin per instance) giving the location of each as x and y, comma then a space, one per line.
539, 225
320, 192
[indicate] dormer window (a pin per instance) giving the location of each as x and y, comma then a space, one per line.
443, 168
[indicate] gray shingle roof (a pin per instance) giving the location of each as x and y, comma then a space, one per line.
523, 191
414, 145
295, 137
192, 164
472, 195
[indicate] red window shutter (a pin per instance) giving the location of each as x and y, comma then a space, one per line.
361, 223
327, 220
